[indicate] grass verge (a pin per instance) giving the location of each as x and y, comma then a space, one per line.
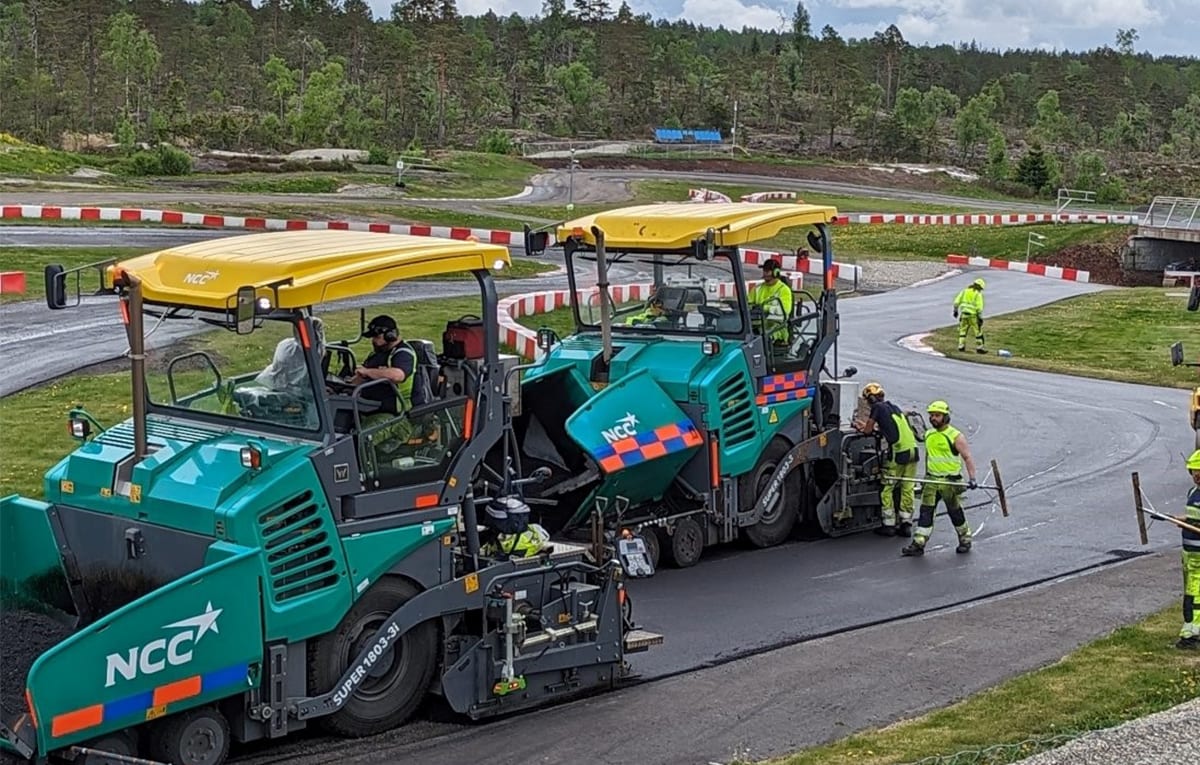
1133, 672
1112, 335
33, 260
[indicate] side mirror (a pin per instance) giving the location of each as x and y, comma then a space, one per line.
1177, 354
849, 372
546, 339
56, 287
704, 249
1194, 298
535, 242
816, 241
245, 310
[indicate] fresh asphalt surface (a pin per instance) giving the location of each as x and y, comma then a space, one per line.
1066, 447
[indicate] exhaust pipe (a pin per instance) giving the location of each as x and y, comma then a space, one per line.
605, 299
131, 307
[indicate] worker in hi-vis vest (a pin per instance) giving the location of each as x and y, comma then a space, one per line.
902, 456
968, 309
945, 451
774, 298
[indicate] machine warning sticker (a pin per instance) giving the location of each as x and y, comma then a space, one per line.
774, 418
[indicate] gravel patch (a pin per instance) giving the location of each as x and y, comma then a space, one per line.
892, 274
25, 636
1159, 739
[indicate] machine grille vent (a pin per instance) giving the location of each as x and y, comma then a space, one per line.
299, 556
737, 409
121, 434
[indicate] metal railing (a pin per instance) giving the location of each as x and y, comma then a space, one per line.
1173, 212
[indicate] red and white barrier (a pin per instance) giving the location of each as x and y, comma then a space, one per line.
988, 219
770, 196
524, 340
1039, 269
707, 195
12, 282
45, 212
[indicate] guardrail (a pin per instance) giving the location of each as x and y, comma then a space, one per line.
1173, 212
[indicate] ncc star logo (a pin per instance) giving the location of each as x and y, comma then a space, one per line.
158, 654
203, 623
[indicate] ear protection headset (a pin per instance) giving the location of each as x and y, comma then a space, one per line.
389, 335
776, 271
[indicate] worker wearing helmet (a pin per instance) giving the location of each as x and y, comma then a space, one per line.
774, 298
945, 451
1189, 636
888, 420
968, 309
649, 315
527, 544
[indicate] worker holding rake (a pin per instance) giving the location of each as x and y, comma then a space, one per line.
1189, 635
945, 451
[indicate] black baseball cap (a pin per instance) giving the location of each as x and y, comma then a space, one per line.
379, 325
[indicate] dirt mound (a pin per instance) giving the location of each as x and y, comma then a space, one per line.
1102, 261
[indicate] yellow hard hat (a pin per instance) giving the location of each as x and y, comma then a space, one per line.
979, 283
872, 389
1193, 462
939, 407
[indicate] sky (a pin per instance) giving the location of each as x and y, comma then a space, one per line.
1163, 26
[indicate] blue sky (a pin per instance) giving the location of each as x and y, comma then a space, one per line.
1163, 25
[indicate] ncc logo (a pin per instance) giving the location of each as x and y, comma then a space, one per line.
155, 655
626, 427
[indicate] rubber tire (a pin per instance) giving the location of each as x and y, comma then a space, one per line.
686, 543
169, 741
417, 650
771, 530
119, 742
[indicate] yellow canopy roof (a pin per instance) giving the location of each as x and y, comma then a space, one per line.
323, 265
675, 226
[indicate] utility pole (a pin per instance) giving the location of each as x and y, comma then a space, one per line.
734, 131
571, 181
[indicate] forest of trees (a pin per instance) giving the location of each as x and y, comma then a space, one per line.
225, 74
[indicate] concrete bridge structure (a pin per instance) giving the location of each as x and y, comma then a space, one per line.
1167, 240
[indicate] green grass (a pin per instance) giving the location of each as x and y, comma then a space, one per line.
35, 419
1133, 672
32, 260
1113, 335
292, 183
20, 158
472, 174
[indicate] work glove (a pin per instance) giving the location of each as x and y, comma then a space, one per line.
981, 322
956, 313
972, 485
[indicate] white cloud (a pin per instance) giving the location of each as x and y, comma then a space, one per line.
1058, 24
734, 14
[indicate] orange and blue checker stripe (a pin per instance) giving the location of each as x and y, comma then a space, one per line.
647, 446
141, 703
790, 386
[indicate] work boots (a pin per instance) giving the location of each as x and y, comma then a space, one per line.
904, 529
886, 531
964, 546
913, 550
1188, 643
